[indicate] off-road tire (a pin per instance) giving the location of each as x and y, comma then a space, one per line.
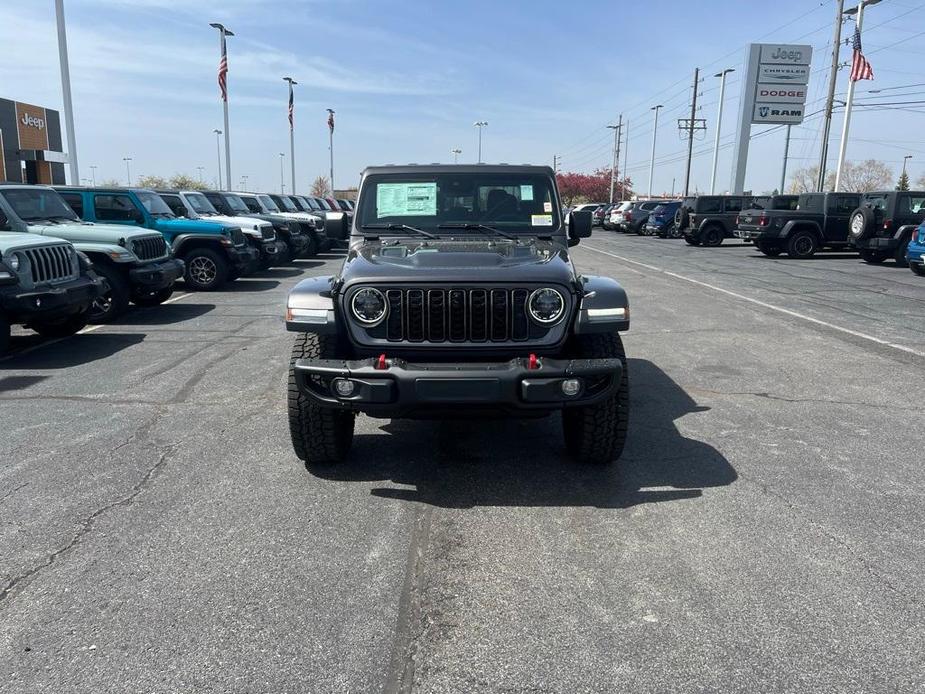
681, 218
62, 327
206, 270
153, 298
4, 334
872, 257
770, 251
115, 302
596, 434
861, 224
311, 249
915, 267
691, 240
899, 255
320, 435
802, 244
712, 236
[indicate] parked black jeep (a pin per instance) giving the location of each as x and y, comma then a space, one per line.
819, 221
708, 219
883, 225
458, 297
756, 207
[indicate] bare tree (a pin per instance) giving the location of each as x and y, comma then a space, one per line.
321, 188
865, 176
186, 182
152, 182
110, 183
920, 183
804, 180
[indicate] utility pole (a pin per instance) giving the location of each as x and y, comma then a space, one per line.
555, 163
291, 82
93, 168
830, 99
690, 125
128, 170
66, 93
783, 173
456, 151
218, 153
282, 185
652, 160
224, 32
626, 148
719, 126
849, 100
616, 153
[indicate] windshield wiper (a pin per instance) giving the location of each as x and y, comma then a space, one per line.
401, 227
478, 227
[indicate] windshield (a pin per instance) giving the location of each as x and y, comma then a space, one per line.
308, 203
267, 202
236, 204
32, 204
200, 203
286, 203
511, 201
153, 203
625, 206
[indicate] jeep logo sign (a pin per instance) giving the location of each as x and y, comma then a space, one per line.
785, 55
32, 121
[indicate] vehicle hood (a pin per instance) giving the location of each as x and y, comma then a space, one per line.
246, 223
201, 226
15, 240
469, 260
301, 216
88, 232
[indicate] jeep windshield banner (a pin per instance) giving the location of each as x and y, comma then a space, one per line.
437, 202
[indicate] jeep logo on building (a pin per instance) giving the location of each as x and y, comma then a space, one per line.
787, 53
32, 121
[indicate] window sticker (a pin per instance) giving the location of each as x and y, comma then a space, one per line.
526, 193
406, 199
541, 220
547, 207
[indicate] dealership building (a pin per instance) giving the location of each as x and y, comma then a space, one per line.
30, 143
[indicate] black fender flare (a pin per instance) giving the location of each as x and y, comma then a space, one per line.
800, 225
183, 241
603, 306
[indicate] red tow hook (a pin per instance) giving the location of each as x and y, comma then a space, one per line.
533, 363
381, 363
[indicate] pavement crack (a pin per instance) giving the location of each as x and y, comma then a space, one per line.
817, 401
13, 491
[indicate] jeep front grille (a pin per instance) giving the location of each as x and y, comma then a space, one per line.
50, 263
237, 237
150, 247
458, 315
267, 233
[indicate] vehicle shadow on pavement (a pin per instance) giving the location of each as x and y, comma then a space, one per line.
164, 314
249, 285
272, 272
468, 463
74, 351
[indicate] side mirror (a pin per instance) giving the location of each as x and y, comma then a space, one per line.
4, 222
579, 224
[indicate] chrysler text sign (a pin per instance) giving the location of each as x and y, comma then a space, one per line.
783, 74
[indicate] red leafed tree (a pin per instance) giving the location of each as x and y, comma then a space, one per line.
576, 188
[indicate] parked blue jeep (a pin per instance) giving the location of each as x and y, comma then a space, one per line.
213, 252
915, 254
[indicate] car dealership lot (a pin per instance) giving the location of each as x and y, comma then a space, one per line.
157, 533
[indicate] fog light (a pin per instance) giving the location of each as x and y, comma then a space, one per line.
344, 388
571, 387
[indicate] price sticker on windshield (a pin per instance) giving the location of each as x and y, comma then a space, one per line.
541, 220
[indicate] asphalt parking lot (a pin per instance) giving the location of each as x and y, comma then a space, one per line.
764, 532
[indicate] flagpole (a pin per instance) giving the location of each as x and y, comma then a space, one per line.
291, 131
849, 100
331, 147
222, 33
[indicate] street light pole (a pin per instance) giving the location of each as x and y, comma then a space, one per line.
282, 186
616, 153
128, 170
719, 125
480, 124
849, 100
223, 33
291, 82
218, 153
456, 151
93, 172
200, 173
66, 92
652, 161
331, 145
905, 159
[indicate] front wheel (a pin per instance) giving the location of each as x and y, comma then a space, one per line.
873, 257
205, 270
320, 435
62, 327
596, 434
899, 255
154, 297
311, 248
115, 301
802, 245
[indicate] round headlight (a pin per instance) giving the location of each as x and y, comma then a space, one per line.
546, 305
368, 306
13, 262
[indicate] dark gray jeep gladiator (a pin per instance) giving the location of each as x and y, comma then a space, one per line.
458, 298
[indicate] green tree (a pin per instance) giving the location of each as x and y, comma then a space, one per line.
152, 182
903, 183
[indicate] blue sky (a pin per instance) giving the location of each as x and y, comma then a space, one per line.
409, 78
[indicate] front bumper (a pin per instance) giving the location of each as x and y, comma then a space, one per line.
243, 259
158, 275
877, 243
22, 306
404, 389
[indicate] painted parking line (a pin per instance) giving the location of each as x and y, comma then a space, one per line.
763, 304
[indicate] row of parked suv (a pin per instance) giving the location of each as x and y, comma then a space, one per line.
880, 225
70, 256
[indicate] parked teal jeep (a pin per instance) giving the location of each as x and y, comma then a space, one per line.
45, 284
136, 263
213, 252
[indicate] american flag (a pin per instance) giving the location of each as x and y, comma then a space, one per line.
860, 68
223, 71
291, 106
331, 120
